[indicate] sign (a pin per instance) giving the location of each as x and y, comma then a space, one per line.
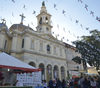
29, 79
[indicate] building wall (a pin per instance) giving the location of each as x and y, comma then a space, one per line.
73, 67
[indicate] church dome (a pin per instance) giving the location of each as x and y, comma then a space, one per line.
3, 27
19, 27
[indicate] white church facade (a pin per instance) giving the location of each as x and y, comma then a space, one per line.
37, 48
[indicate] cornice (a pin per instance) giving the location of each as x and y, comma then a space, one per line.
37, 53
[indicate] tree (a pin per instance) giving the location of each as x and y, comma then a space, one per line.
89, 48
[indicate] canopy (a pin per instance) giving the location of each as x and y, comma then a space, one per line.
92, 70
10, 62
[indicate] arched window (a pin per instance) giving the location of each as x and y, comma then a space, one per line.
41, 46
40, 29
22, 43
47, 28
40, 22
46, 20
48, 49
32, 64
32, 44
55, 51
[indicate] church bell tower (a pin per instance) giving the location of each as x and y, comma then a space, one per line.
43, 20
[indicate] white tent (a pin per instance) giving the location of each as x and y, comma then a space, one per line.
92, 71
8, 61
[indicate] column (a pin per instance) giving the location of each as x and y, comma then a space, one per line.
45, 72
52, 72
14, 43
66, 75
27, 43
59, 73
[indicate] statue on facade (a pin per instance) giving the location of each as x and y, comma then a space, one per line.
43, 3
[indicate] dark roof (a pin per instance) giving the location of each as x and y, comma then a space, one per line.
20, 27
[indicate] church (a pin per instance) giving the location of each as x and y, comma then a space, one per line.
37, 48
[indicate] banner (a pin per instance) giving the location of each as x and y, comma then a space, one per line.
29, 79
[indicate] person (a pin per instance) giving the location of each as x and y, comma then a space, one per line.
15, 83
54, 83
44, 84
85, 83
50, 84
63, 83
58, 83
76, 83
93, 83
1, 78
98, 82
71, 83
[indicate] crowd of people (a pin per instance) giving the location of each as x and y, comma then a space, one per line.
79, 82
85, 82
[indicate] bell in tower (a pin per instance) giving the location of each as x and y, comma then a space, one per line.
44, 20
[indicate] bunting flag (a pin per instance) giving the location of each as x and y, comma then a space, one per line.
77, 21
12, 14
92, 13
67, 39
64, 29
86, 7
98, 18
55, 6
24, 6
34, 12
10, 22
57, 26
81, 25
32, 23
52, 32
3, 20
13, 1
81, 1
77, 37
69, 31
63, 12
87, 28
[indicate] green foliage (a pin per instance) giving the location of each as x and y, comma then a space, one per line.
77, 59
89, 48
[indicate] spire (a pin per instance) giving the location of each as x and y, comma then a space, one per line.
22, 18
43, 8
43, 3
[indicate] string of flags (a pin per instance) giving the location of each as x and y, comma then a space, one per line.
90, 12
55, 7
64, 13
76, 21
13, 1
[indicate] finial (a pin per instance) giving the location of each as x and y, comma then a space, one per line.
22, 18
43, 3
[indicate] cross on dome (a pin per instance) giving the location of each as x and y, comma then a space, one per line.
22, 18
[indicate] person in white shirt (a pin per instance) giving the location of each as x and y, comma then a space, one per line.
93, 83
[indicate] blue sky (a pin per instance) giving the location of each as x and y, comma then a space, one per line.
68, 28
